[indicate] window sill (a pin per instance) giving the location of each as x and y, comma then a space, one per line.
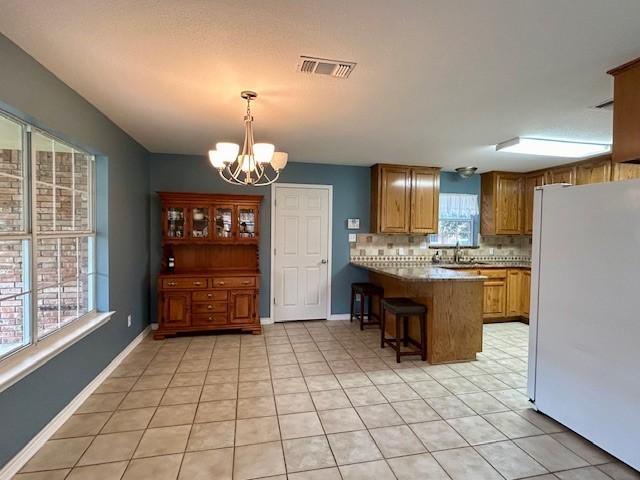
17, 366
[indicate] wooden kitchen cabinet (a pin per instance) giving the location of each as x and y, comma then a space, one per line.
404, 199
495, 296
626, 112
595, 171
530, 183
525, 293
625, 171
501, 200
564, 174
213, 240
425, 192
514, 292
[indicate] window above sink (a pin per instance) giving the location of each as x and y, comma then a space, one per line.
458, 222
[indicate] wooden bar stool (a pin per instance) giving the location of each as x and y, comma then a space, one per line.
366, 291
404, 309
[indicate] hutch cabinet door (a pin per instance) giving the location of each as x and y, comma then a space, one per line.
199, 224
247, 223
395, 207
425, 191
174, 222
224, 218
508, 204
243, 306
175, 309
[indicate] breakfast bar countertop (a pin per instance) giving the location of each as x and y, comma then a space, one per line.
420, 272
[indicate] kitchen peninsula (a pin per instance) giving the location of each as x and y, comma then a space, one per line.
454, 302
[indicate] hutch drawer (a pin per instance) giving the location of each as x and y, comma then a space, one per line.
233, 282
213, 307
209, 296
184, 282
209, 319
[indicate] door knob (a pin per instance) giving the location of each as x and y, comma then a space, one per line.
323, 261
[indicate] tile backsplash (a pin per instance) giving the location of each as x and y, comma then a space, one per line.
415, 248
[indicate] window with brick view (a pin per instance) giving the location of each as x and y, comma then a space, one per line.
46, 235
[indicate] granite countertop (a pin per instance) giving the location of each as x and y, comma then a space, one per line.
426, 272
484, 265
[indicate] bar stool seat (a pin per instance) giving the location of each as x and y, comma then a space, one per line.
366, 291
404, 310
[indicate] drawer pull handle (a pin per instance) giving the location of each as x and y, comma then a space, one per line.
220, 283
197, 284
210, 317
172, 284
209, 295
209, 307
246, 282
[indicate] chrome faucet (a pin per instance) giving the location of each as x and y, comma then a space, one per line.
457, 253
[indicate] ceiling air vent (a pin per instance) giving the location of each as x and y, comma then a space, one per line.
323, 66
606, 105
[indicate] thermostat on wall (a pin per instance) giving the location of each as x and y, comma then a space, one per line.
353, 223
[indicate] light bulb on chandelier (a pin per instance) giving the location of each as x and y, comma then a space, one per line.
256, 165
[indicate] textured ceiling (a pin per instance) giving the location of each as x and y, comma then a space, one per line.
437, 82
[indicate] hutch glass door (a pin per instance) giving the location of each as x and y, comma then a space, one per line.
200, 222
246, 222
175, 222
224, 222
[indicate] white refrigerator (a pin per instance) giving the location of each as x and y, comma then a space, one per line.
584, 345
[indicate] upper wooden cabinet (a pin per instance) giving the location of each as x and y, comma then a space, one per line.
564, 174
596, 171
404, 199
626, 112
625, 171
531, 181
501, 203
425, 191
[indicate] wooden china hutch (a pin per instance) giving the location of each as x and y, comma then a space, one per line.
209, 278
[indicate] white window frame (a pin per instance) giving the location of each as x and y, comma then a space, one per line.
36, 350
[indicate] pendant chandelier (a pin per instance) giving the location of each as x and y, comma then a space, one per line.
257, 164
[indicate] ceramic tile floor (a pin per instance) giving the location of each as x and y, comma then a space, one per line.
312, 401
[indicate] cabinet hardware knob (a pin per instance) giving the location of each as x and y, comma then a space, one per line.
197, 284
220, 283
246, 282
209, 307
209, 295
210, 317
172, 284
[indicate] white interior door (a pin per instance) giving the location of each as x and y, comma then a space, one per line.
301, 252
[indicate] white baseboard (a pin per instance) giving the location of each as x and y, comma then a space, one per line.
16, 463
339, 316
266, 321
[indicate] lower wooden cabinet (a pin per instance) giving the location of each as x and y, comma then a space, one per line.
494, 302
207, 304
526, 293
514, 292
506, 293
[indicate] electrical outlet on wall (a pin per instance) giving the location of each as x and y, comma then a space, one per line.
129, 320
491, 251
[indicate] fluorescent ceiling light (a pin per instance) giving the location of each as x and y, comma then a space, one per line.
551, 148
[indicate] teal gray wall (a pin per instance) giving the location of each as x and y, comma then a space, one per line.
34, 94
351, 189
